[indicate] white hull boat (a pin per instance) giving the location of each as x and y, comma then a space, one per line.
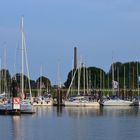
25, 106
81, 102
116, 102
44, 102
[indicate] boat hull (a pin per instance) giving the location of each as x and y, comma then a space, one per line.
25, 108
42, 104
116, 103
81, 104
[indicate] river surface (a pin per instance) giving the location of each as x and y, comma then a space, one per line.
68, 123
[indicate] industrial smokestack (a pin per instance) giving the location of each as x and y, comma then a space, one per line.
75, 57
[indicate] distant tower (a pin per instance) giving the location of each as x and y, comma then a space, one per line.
75, 57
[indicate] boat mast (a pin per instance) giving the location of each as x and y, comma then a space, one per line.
22, 67
84, 67
79, 78
100, 79
72, 72
75, 70
87, 80
89, 77
108, 84
138, 78
113, 75
0, 75
27, 67
124, 81
103, 81
112, 78
5, 74
118, 76
95, 82
40, 91
133, 78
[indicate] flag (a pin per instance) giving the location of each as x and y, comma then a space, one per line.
138, 80
42, 85
115, 84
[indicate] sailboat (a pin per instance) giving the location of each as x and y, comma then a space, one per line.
79, 100
41, 100
25, 105
116, 101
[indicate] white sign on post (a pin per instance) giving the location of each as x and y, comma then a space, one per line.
16, 103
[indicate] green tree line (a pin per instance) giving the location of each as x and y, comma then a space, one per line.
6, 82
126, 74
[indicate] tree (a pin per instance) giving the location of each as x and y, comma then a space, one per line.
5, 80
45, 83
26, 80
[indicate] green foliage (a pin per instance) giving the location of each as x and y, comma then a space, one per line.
26, 80
5, 80
99, 79
91, 74
95, 78
45, 81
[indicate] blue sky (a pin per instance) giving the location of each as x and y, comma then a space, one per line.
99, 29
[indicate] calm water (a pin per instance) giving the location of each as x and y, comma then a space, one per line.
51, 123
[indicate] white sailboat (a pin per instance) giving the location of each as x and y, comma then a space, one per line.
25, 105
79, 101
116, 101
41, 100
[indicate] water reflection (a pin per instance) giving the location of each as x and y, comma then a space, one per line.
82, 112
59, 110
119, 111
42, 110
102, 111
73, 123
16, 130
